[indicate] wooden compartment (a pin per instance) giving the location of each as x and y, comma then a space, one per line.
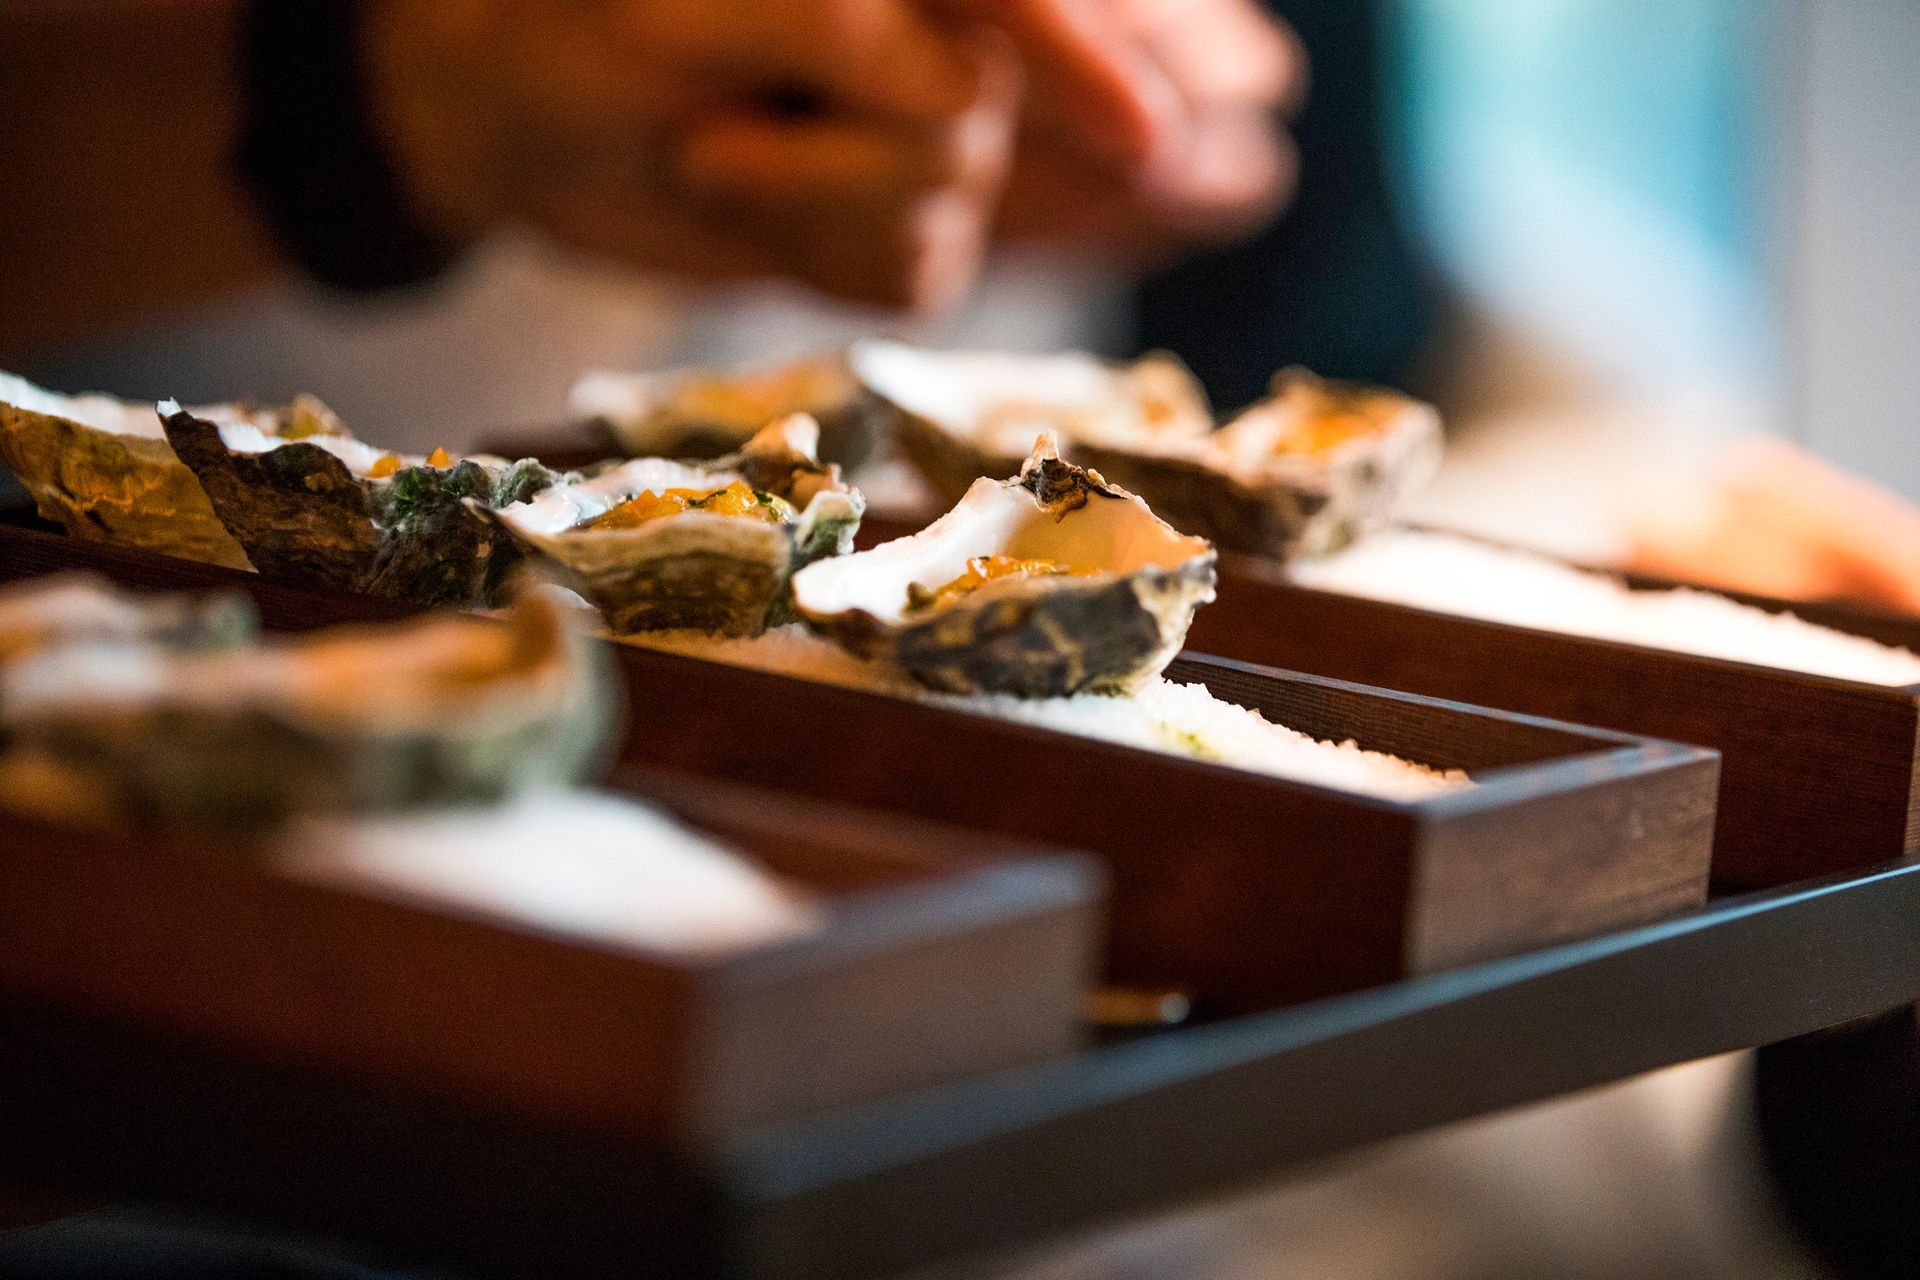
941, 954
1817, 774
1247, 890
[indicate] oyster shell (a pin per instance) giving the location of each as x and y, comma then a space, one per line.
699, 569
66, 609
708, 413
316, 509
436, 710
960, 415
1312, 468
1108, 608
102, 468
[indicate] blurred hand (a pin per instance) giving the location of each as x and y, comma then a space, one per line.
855, 144
1773, 519
1214, 159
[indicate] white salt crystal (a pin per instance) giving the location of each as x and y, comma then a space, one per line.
1457, 575
1178, 719
582, 864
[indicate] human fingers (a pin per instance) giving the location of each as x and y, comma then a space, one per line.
1237, 168
770, 160
621, 213
887, 58
1234, 175
1093, 80
919, 256
1223, 51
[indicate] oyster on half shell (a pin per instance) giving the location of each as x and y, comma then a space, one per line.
961, 415
66, 609
1051, 583
1312, 468
659, 544
102, 469
436, 710
327, 509
709, 413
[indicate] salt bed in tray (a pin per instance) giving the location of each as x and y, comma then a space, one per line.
1178, 719
1450, 574
582, 864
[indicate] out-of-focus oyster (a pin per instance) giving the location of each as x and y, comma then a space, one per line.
709, 413
67, 609
359, 719
960, 415
1310, 469
1048, 584
312, 504
101, 468
659, 544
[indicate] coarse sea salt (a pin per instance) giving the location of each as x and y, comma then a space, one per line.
1451, 574
590, 866
1165, 716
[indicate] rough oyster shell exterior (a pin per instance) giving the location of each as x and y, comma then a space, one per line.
303, 515
211, 749
105, 486
1288, 506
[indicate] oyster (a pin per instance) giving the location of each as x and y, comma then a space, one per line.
312, 504
960, 415
436, 710
102, 468
1048, 584
67, 609
708, 413
1312, 468
657, 544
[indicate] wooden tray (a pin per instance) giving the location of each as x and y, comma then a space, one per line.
100, 1108
943, 954
1817, 774
1248, 891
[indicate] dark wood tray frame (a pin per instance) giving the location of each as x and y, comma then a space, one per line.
104, 1108
941, 954
1570, 832
1817, 774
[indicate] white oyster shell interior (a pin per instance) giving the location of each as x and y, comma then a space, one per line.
565, 506
1109, 535
619, 396
134, 418
252, 433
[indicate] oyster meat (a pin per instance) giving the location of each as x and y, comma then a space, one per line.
708, 413
658, 544
314, 505
961, 415
358, 719
1049, 584
1315, 466
103, 470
